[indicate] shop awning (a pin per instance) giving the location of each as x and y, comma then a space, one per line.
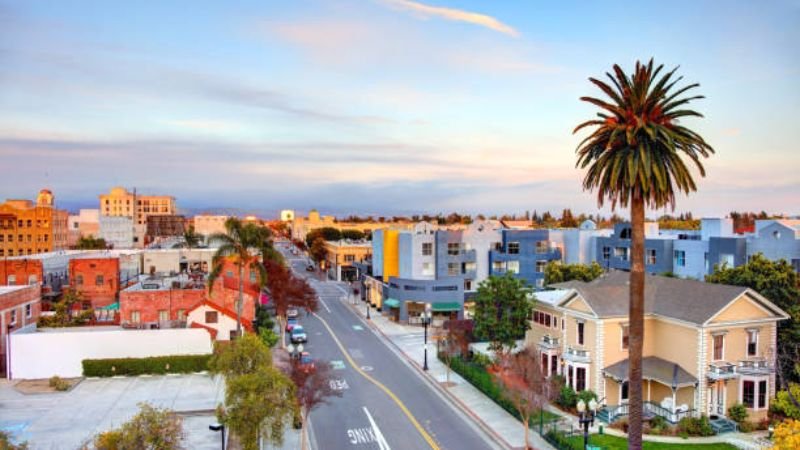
111, 307
391, 303
446, 306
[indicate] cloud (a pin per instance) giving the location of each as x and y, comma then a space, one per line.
455, 15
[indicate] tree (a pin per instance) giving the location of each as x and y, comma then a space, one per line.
454, 338
6, 444
150, 429
318, 251
259, 398
326, 233
191, 239
65, 315
91, 243
635, 157
242, 244
526, 386
787, 435
567, 220
556, 272
313, 387
288, 291
502, 311
786, 403
353, 235
778, 282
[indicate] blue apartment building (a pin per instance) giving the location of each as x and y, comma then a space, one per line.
526, 253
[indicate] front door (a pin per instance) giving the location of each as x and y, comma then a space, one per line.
716, 399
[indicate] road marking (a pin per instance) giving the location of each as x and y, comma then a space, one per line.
411, 418
337, 364
324, 304
339, 384
362, 436
358, 327
367, 368
381, 440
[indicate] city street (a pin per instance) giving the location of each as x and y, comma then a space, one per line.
386, 404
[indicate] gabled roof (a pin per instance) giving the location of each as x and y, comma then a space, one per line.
225, 311
686, 300
654, 368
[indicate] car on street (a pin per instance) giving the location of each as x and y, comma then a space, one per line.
292, 313
310, 268
306, 363
291, 322
298, 335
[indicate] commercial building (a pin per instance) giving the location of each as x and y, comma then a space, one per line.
162, 227
707, 346
207, 225
301, 226
341, 256
120, 202
27, 228
20, 306
119, 232
176, 260
287, 215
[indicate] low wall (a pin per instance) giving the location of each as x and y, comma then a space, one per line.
42, 354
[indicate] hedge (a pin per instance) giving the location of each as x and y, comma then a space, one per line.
141, 366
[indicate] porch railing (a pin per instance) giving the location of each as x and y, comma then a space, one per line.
614, 412
721, 371
754, 367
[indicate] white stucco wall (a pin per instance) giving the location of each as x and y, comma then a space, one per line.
168, 260
117, 231
482, 236
775, 241
42, 354
695, 258
423, 232
224, 325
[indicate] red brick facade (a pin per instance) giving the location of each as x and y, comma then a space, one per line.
18, 308
21, 272
96, 279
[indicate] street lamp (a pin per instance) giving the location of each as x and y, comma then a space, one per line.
426, 318
368, 299
587, 418
219, 427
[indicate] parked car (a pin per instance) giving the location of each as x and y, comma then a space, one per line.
310, 268
291, 322
306, 362
292, 313
298, 335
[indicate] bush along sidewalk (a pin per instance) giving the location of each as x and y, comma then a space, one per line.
476, 374
158, 365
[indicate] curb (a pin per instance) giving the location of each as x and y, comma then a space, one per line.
455, 401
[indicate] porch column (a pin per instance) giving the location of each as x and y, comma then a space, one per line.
649, 382
674, 391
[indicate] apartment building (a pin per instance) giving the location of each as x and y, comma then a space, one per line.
526, 253
161, 227
776, 239
28, 228
121, 202
707, 346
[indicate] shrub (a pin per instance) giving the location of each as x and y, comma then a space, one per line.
737, 413
140, 366
268, 337
787, 435
481, 359
694, 426
783, 405
58, 383
659, 425
567, 398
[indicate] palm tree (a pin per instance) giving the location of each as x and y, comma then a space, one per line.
191, 238
635, 157
244, 245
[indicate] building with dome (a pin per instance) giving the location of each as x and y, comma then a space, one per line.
28, 227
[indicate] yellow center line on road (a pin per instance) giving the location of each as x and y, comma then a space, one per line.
380, 385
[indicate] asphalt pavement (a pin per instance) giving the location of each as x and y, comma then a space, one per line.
385, 404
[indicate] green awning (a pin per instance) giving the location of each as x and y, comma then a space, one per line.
446, 306
111, 307
391, 303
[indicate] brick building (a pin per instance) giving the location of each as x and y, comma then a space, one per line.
19, 307
164, 226
95, 278
27, 228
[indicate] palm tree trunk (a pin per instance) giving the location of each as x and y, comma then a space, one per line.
239, 305
636, 324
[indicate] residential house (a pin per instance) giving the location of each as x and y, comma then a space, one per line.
707, 346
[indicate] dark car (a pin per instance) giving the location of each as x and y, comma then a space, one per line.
310, 268
298, 335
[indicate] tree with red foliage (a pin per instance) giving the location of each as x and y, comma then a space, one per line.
524, 384
288, 291
454, 337
315, 385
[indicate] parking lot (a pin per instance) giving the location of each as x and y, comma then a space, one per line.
68, 420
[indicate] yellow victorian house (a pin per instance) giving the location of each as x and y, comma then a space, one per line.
706, 347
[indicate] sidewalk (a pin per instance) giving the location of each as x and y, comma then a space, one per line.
408, 340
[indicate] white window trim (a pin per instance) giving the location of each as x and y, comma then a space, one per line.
622, 327
12, 316
578, 334
621, 400
574, 366
747, 342
722, 356
756, 381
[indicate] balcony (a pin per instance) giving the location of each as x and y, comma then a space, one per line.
721, 371
549, 343
754, 367
577, 355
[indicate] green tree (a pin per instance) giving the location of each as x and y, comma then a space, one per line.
353, 235
635, 157
556, 272
150, 429
318, 251
503, 308
326, 233
259, 399
191, 239
243, 245
786, 402
778, 282
91, 243
65, 314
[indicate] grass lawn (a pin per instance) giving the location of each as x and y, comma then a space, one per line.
613, 443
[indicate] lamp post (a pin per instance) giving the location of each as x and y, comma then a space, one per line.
368, 299
587, 418
426, 318
219, 427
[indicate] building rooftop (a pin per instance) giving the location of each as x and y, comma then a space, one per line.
349, 243
167, 282
8, 289
552, 297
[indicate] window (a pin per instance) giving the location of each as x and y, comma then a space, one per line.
680, 258
136, 316
453, 248
625, 336
28, 311
762, 394
651, 256
12, 280
467, 285
796, 265
513, 248
540, 282
163, 315
624, 392
719, 347
540, 266
349, 258
79, 280
445, 288
32, 279
181, 314
427, 248
752, 342
253, 276
453, 269
469, 267
621, 253
211, 317
580, 379
541, 247
498, 266
229, 274
427, 268
98, 280
580, 333
726, 259
749, 393
555, 322
513, 266
13, 317
625, 233
411, 287
705, 261
536, 316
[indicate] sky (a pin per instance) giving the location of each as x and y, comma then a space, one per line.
379, 106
